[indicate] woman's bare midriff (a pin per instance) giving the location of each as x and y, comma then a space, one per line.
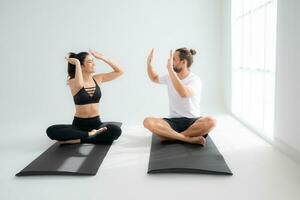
87, 111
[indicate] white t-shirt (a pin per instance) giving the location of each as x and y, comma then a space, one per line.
184, 106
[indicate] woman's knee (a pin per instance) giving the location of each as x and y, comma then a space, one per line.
52, 131
114, 131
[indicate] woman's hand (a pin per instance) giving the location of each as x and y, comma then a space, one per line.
97, 54
73, 61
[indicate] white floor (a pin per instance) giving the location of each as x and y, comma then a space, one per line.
260, 171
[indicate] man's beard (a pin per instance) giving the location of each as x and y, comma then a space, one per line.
177, 69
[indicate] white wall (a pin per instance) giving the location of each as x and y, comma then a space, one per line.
36, 35
287, 100
226, 53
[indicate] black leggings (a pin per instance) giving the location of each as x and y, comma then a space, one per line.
80, 128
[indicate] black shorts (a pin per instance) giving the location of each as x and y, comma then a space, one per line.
181, 123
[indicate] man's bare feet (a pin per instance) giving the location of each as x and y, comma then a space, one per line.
70, 141
192, 140
198, 140
95, 132
162, 139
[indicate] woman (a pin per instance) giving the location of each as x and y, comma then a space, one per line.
84, 85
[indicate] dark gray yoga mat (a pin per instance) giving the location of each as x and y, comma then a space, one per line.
179, 157
68, 159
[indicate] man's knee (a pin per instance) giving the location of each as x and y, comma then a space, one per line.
210, 122
148, 122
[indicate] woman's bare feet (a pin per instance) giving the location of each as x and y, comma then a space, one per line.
197, 140
95, 132
92, 133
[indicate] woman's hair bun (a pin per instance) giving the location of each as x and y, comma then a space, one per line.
193, 51
72, 55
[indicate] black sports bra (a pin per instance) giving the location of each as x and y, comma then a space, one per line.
88, 95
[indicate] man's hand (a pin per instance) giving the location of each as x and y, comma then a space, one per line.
151, 73
170, 61
150, 57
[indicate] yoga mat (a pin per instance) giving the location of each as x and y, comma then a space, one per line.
180, 157
68, 159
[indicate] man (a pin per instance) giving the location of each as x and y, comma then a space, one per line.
184, 89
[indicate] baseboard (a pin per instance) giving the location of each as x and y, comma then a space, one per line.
281, 146
287, 149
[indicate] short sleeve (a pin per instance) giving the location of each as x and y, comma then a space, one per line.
163, 79
195, 86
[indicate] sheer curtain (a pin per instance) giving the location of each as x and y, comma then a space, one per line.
253, 63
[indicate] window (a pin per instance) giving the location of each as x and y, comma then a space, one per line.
253, 63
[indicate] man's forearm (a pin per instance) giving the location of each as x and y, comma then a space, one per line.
151, 73
178, 85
